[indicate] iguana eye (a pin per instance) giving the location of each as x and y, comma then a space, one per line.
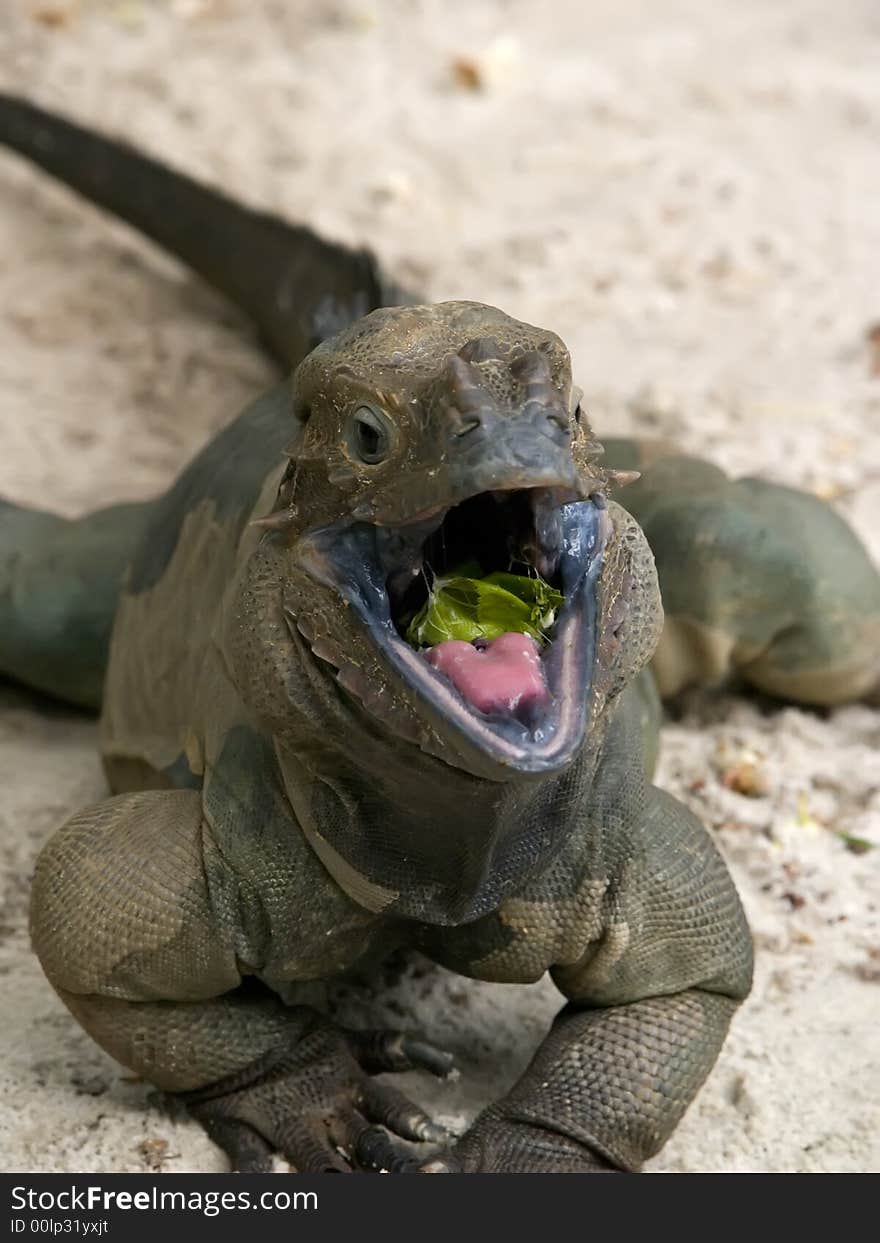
369, 435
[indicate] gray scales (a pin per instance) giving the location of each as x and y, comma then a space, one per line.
298, 794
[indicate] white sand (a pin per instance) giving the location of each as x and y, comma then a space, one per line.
687, 192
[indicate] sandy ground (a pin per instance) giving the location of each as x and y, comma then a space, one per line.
687, 192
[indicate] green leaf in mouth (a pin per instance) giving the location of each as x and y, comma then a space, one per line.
468, 608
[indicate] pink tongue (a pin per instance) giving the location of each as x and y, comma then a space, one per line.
502, 677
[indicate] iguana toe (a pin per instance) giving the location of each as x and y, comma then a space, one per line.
315, 1103
379, 1051
377, 1152
246, 1149
501, 1145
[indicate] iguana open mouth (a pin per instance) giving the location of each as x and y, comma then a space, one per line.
523, 704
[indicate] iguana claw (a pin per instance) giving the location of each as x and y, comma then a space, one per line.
315, 1103
507, 1146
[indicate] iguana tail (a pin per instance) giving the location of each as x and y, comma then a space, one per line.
59, 580
296, 287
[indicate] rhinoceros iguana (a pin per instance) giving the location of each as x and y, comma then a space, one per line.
298, 791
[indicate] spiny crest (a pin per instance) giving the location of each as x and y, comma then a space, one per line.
620, 478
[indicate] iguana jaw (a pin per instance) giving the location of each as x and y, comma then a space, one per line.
363, 562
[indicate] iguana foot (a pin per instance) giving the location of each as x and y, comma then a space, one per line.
315, 1102
505, 1145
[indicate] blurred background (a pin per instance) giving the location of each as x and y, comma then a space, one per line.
687, 191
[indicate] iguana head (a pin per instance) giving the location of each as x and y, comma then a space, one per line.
432, 435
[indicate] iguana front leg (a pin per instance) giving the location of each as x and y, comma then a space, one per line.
666, 961
145, 935
604, 1092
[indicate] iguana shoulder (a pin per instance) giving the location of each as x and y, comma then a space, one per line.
166, 680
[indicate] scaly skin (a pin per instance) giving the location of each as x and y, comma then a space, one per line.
294, 799
319, 832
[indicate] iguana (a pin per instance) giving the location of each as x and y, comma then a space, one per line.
298, 791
